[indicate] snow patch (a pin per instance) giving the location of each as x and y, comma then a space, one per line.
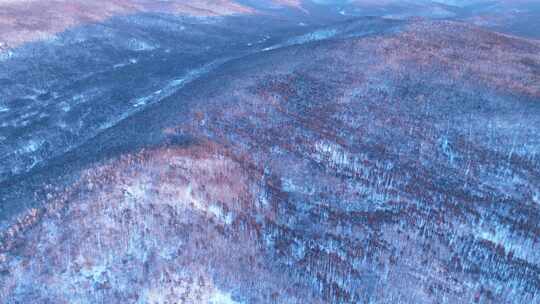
536, 197
309, 37
32, 146
446, 148
135, 191
172, 86
64, 106
220, 297
139, 102
334, 152
123, 64
140, 45
95, 273
219, 213
6, 55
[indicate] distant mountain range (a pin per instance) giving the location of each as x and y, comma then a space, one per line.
28, 20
